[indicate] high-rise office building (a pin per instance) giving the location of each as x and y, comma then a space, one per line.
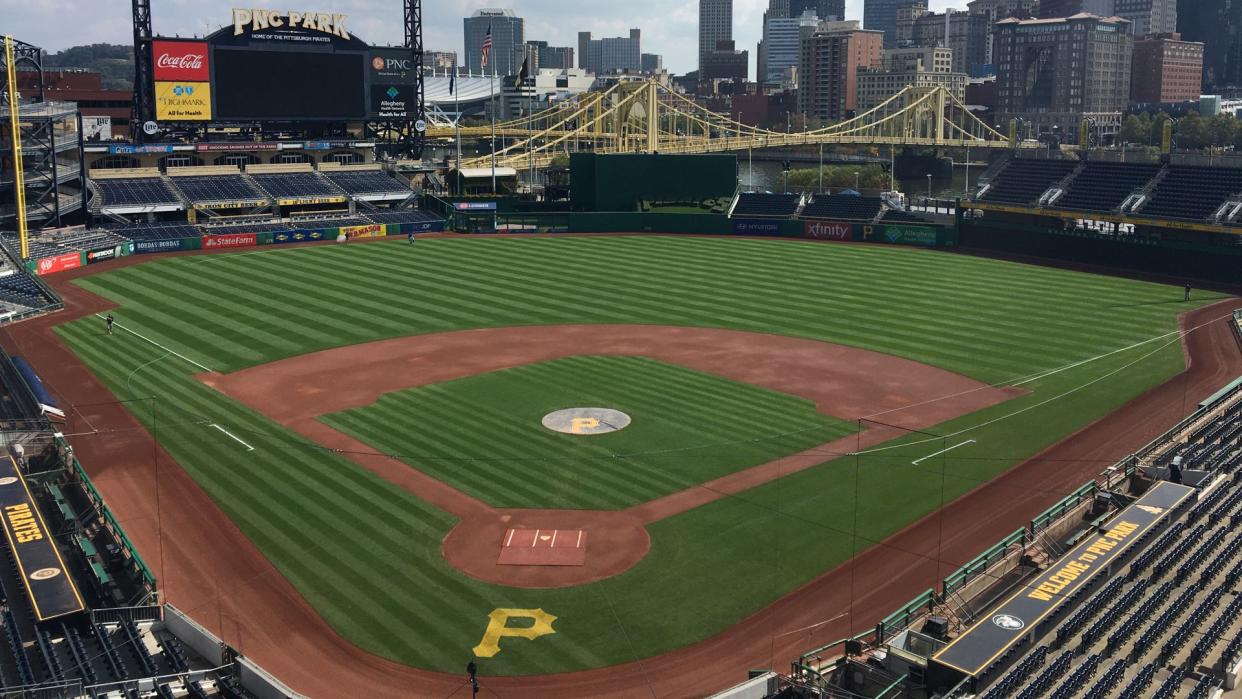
993, 11
1049, 9
552, 56
918, 67
610, 55
881, 16
725, 62
781, 47
832, 53
652, 62
827, 10
964, 32
1053, 73
1149, 16
1218, 25
1166, 70
715, 24
508, 33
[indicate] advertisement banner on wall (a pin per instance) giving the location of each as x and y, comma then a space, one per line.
420, 227
297, 237
828, 230
183, 101
374, 230
142, 247
176, 61
123, 149
746, 227
101, 254
59, 263
909, 235
234, 240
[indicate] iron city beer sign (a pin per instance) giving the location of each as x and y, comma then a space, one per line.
259, 20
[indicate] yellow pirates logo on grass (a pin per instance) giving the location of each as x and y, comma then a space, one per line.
586, 420
498, 626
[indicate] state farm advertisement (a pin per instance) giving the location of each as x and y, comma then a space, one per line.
236, 240
828, 230
60, 263
180, 61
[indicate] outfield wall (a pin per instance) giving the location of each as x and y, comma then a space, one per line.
78, 258
1181, 258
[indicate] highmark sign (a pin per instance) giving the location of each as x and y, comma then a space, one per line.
258, 20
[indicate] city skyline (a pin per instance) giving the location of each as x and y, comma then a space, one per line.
669, 31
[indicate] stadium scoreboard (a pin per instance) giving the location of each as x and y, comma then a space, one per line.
282, 66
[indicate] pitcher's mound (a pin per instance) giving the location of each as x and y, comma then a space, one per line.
584, 421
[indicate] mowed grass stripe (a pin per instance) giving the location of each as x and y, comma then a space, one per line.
693, 428
711, 566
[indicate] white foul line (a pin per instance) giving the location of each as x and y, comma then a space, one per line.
509, 539
235, 439
554, 533
180, 356
806, 628
536, 539
916, 462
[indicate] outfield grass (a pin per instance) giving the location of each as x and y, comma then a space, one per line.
483, 434
366, 555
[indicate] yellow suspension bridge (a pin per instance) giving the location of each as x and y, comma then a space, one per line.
646, 117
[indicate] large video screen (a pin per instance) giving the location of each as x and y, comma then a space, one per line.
288, 85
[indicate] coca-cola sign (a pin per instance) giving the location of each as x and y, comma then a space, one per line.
180, 61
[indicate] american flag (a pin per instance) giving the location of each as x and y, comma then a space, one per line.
487, 45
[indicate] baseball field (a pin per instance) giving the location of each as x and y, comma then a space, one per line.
348, 407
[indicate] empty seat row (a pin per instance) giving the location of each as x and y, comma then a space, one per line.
1210, 638
1193, 192
843, 208
1045, 679
1016, 677
218, 188
296, 185
137, 191
1110, 679
1191, 625
1098, 602
1164, 622
767, 205
1119, 608
1138, 686
367, 182
1104, 186
1149, 555
1140, 615
1023, 181
1078, 679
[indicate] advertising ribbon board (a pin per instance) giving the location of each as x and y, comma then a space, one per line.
747, 227
828, 230
374, 230
59, 263
101, 254
142, 247
283, 237
908, 235
420, 227
234, 240
475, 206
310, 200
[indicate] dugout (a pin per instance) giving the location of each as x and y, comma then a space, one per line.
621, 182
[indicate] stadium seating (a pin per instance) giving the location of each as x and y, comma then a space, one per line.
90, 240
843, 208
312, 224
766, 205
207, 189
267, 227
1104, 186
1192, 192
1110, 679
1138, 686
140, 191
367, 182
20, 289
402, 216
296, 185
1024, 180
160, 231
899, 216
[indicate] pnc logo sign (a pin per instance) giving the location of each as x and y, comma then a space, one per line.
184, 61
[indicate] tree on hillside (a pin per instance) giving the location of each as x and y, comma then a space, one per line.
115, 62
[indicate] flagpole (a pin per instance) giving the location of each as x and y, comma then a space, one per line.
457, 125
495, 106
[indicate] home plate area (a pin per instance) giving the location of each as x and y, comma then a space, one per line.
543, 547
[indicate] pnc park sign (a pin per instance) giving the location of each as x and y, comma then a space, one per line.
258, 20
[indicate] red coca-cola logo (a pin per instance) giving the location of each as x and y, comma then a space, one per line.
181, 61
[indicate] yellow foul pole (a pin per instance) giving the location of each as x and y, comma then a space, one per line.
19, 172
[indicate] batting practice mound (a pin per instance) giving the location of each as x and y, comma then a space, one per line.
558, 548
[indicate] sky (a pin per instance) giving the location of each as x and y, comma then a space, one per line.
670, 27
